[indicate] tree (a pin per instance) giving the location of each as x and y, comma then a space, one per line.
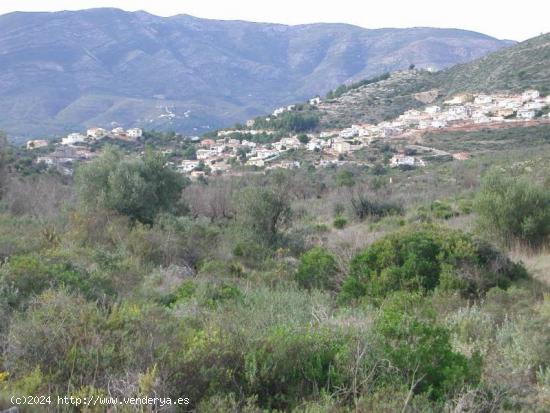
137, 188
263, 212
514, 209
190, 152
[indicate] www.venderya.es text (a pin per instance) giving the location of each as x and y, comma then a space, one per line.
98, 401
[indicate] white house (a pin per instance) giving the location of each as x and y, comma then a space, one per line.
73, 138
483, 99
187, 166
278, 111
314, 144
256, 162
118, 131
438, 123
315, 101
341, 146
292, 142
204, 154
432, 110
530, 95
458, 112
134, 133
526, 114
424, 124
248, 144
349, 132
535, 105
265, 153
96, 133
402, 159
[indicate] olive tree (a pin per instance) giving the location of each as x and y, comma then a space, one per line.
139, 188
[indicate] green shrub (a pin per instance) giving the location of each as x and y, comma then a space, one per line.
184, 292
340, 222
287, 366
344, 178
421, 349
425, 258
24, 276
317, 269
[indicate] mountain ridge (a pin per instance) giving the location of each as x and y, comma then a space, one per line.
101, 67
525, 65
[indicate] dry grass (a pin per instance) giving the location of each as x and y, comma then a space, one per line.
537, 263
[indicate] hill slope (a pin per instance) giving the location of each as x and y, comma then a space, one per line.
67, 70
522, 66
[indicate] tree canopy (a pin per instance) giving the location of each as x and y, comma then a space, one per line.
137, 187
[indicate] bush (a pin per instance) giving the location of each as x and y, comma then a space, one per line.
423, 259
340, 222
317, 269
24, 276
421, 349
287, 366
344, 178
367, 208
514, 209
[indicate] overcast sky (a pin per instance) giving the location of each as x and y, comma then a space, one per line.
504, 19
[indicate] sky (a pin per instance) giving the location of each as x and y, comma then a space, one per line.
504, 19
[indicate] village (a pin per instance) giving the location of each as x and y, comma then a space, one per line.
233, 147
334, 145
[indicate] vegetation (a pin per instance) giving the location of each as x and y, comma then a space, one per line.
340, 90
317, 269
422, 260
311, 290
514, 209
138, 188
302, 118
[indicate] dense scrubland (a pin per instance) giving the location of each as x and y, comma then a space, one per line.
332, 290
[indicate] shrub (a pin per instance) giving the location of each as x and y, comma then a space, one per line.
24, 276
317, 269
287, 365
340, 222
514, 209
425, 258
344, 178
367, 208
442, 210
421, 349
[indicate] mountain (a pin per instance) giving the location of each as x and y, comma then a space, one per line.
64, 71
523, 66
